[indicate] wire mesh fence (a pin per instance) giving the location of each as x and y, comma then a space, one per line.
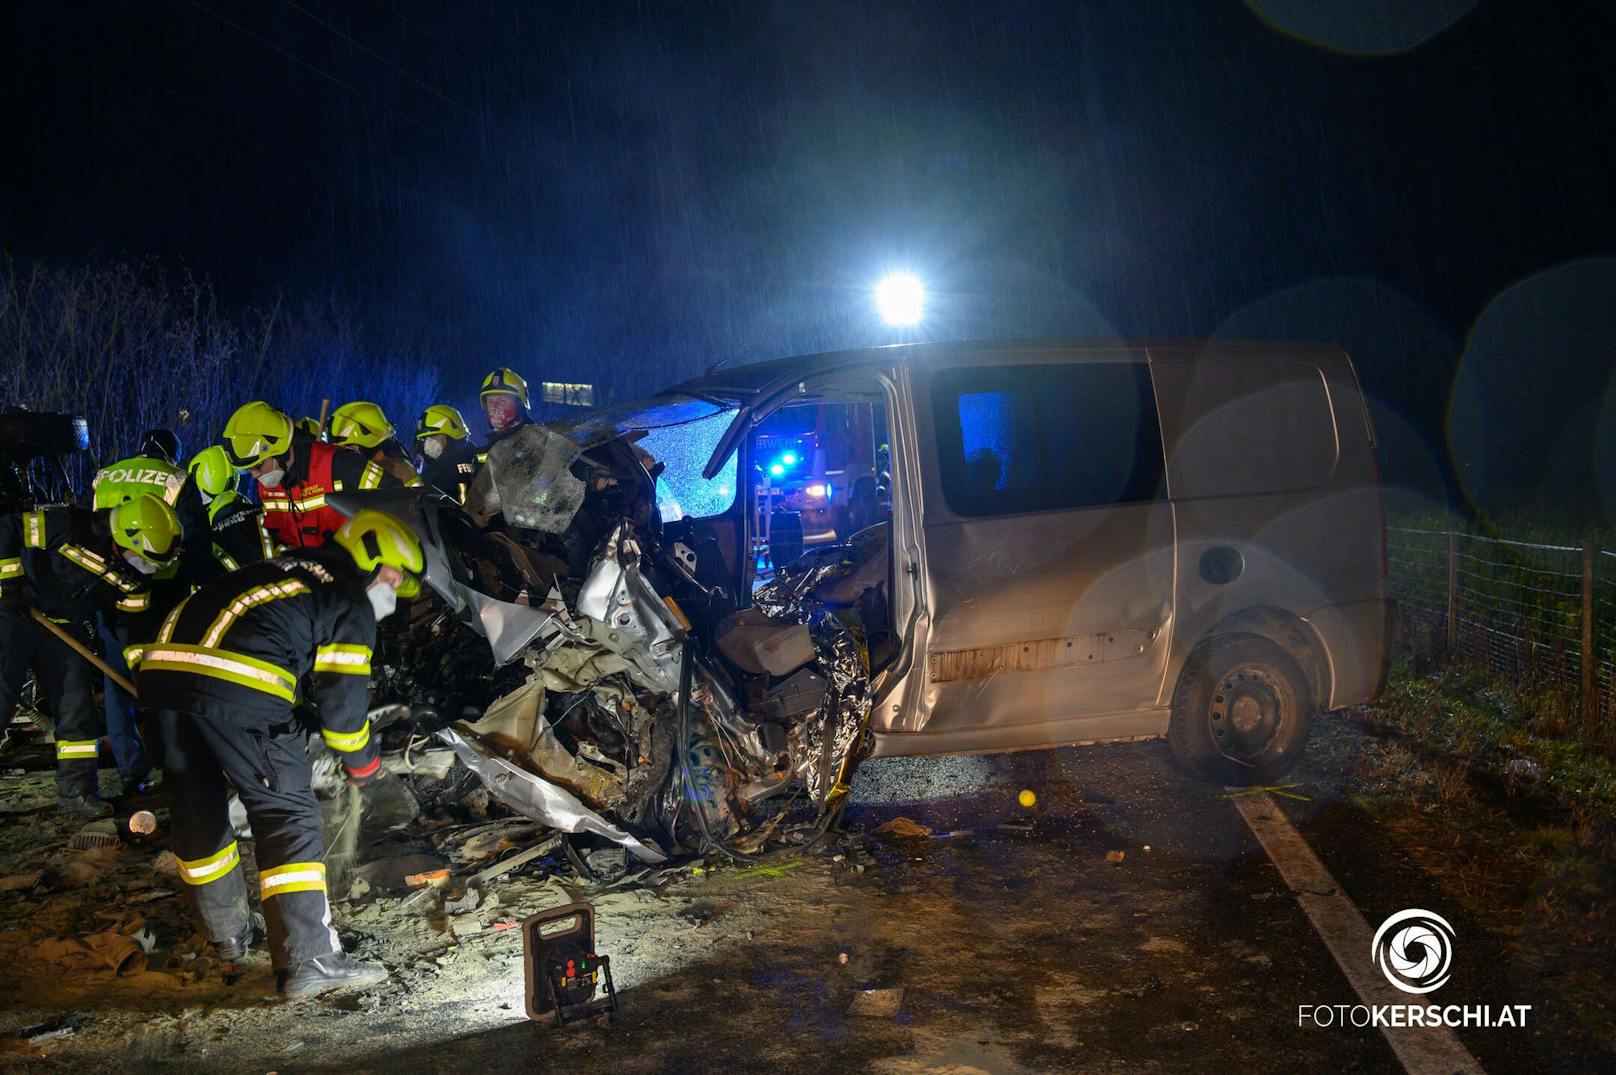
1540, 617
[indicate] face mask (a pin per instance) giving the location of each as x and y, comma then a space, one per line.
272, 480
139, 563
432, 447
383, 600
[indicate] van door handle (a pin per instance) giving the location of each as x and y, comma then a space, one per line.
1222, 564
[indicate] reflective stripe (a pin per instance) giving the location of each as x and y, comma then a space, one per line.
76, 748
286, 503
10, 568
371, 476
259, 595
215, 866
347, 742
482, 457
235, 668
86, 560
225, 559
264, 540
139, 602
293, 877
167, 631
343, 657
412, 482
132, 655
33, 529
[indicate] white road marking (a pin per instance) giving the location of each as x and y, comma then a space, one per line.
1422, 1050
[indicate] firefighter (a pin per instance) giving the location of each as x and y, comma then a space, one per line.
222, 679
223, 529
294, 473
451, 457
504, 403
69, 563
363, 426
152, 471
311, 426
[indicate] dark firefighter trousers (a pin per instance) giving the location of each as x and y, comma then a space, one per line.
67, 683
268, 765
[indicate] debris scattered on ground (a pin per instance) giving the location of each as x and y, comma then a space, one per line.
901, 828
430, 878
59, 1027
394, 872
877, 1003
1115, 857
20, 881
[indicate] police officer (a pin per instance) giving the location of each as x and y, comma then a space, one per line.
294, 473
70, 563
151, 471
223, 677
451, 457
223, 529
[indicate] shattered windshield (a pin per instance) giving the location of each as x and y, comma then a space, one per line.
681, 491
605, 423
681, 433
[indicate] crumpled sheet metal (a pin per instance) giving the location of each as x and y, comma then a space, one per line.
833, 733
535, 797
533, 481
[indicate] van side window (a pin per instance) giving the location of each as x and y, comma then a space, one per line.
1014, 439
1245, 428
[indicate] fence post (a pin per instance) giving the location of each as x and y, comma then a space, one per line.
1453, 590
1589, 709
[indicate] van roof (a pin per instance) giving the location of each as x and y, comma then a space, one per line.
744, 381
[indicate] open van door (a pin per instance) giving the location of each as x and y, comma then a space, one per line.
1047, 551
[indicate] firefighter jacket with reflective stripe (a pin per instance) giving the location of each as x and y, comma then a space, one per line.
453, 471
235, 536
248, 645
295, 512
390, 459
63, 562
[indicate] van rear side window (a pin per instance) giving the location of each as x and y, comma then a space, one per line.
1245, 428
1015, 439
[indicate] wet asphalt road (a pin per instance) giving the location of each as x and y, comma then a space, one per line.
1028, 951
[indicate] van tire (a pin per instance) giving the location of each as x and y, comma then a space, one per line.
1241, 712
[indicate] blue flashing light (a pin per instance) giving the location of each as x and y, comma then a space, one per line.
777, 469
789, 459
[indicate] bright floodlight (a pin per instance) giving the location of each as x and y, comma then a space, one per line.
901, 299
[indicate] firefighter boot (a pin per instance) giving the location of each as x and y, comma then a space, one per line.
324, 973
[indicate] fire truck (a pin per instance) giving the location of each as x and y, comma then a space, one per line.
820, 474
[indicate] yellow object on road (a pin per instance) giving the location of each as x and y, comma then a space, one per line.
1027, 799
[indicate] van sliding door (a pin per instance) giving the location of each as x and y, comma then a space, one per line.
1048, 549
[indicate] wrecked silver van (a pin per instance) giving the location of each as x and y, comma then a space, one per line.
1055, 543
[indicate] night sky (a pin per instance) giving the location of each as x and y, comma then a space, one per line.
625, 193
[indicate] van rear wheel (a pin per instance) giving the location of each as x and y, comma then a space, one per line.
1241, 712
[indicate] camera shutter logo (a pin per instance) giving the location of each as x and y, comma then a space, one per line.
1414, 950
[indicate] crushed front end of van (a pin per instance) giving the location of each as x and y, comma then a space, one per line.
621, 689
